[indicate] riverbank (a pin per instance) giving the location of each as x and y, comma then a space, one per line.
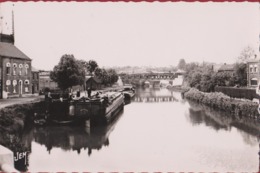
179, 88
223, 102
15, 113
20, 100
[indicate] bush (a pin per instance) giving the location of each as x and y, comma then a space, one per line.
14, 118
223, 102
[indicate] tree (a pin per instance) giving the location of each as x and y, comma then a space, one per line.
113, 77
247, 53
108, 77
98, 73
69, 72
241, 74
182, 64
91, 66
224, 78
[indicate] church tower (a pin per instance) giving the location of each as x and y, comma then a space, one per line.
6, 23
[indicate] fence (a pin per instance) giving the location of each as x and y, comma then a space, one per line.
246, 93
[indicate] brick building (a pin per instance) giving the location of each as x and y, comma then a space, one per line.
253, 73
15, 69
45, 81
35, 80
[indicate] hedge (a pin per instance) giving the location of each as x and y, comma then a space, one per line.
223, 102
246, 93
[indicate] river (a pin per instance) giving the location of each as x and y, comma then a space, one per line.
157, 131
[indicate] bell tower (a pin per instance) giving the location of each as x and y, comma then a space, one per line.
6, 23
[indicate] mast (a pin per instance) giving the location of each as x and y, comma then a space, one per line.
1, 19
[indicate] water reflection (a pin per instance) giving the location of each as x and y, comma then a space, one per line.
219, 120
74, 138
20, 147
248, 128
63, 137
148, 95
203, 139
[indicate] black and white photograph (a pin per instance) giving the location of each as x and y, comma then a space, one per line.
129, 86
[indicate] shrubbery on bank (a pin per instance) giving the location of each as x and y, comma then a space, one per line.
223, 102
14, 118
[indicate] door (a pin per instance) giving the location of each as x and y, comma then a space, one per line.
20, 88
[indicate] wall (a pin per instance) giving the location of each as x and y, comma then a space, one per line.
246, 93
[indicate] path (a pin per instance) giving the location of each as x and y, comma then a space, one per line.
21, 100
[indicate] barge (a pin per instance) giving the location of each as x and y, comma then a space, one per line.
99, 109
128, 91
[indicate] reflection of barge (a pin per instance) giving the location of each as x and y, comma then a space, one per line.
74, 138
100, 109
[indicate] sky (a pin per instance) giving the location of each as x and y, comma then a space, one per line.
132, 34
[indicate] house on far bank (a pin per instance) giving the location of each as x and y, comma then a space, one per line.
93, 82
227, 68
35, 80
45, 81
253, 73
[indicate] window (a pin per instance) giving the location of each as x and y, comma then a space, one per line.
253, 81
8, 82
255, 68
14, 85
20, 69
14, 82
26, 68
26, 89
14, 68
8, 68
26, 82
251, 68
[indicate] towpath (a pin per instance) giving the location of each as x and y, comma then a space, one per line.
21, 100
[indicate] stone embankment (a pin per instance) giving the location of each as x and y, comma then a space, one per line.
223, 102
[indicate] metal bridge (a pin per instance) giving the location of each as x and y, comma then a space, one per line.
154, 99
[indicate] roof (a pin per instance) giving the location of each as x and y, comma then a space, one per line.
9, 50
180, 71
34, 69
253, 60
94, 78
226, 67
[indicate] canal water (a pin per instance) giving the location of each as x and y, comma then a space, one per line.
157, 131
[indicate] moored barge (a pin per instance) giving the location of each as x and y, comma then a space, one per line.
99, 109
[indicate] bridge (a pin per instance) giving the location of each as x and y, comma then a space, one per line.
154, 99
150, 78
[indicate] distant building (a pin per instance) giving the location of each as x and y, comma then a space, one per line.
35, 80
93, 83
227, 68
253, 73
45, 81
15, 69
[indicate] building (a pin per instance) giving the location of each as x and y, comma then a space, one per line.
93, 83
226, 68
35, 81
15, 69
253, 73
45, 81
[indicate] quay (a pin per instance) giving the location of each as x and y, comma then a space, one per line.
20, 100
